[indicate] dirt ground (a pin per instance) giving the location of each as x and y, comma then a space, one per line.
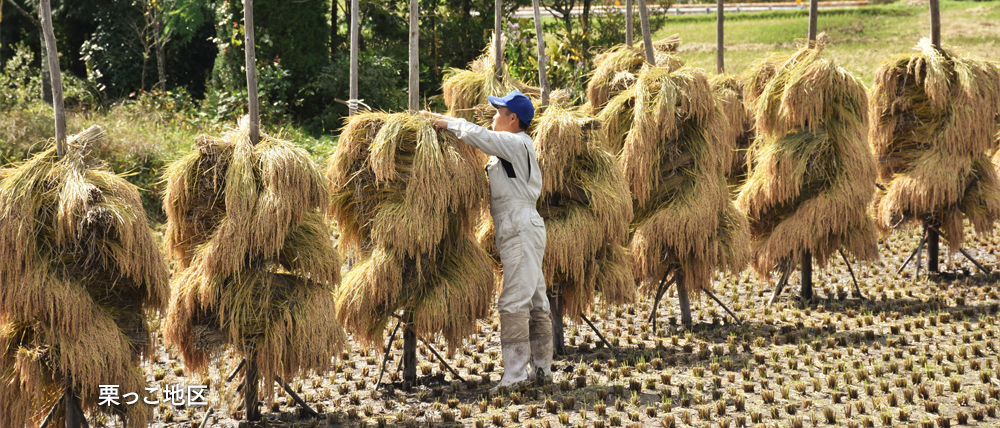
917, 351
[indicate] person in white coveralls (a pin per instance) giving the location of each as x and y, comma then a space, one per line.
515, 185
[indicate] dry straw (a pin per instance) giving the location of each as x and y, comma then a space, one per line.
738, 131
616, 69
79, 268
934, 123
406, 199
811, 173
465, 91
673, 161
256, 263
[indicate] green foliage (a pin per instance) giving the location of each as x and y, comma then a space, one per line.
114, 52
292, 34
19, 83
381, 84
275, 91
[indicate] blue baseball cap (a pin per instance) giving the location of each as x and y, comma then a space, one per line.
517, 103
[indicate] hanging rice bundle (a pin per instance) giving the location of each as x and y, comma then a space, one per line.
465, 91
811, 174
616, 69
738, 131
674, 164
406, 199
587, 211
933, 119
256, 262
78, 268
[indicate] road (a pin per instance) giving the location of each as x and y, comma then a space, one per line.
690, 9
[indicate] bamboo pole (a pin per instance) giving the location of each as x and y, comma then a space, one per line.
253, 105
543, 80
628, 23
813, 16
647, 38
720, 53
935, 23
355, 35
56, 77
414, 89
497, 33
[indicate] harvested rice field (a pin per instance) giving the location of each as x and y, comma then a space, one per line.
917, 351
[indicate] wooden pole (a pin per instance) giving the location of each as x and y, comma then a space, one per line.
933, 248
628, 23
647, 38
253, 105
250, 387
56, 77
414, 90
409, 352
813, 14
807, 278
682, 298
935, 23
497, 34
720, 56
355, 35
543, 80
558, 327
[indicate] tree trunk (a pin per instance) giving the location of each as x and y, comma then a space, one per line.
409, 352
355, 34
414, 89
807, 278
161, 53
720, 55
334, 30
52, 54
647, 38
251, 66
558, 327
682, 298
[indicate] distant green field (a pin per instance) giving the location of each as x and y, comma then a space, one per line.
860, 38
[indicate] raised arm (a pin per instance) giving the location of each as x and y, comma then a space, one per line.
504, 145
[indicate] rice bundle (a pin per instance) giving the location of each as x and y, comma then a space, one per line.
616, 69
256, 261
933, 119
674, 164
587, 211
79, 266
738, 131
811, 174
406, 199
465, 91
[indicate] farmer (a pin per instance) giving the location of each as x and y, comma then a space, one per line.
515, 184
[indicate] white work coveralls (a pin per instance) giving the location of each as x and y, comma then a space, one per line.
515, 184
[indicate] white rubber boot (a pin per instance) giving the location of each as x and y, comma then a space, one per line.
541, 347
516, 351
